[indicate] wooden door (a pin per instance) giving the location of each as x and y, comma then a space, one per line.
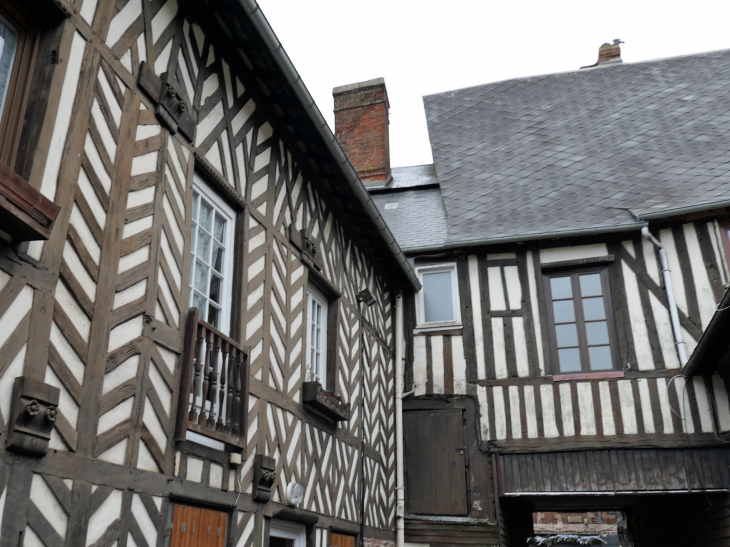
197, 527
342, 540
435, 454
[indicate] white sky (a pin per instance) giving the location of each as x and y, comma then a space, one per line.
422, 47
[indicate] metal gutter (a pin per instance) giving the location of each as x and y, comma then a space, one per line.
685, 210
259, 21
529, 237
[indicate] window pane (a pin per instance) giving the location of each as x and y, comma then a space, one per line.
593, 309
214, 316
597, 333
201, 277
567, 335
437, 297
220, 225
195, 205
8, 46
203, 251
569, 359
600, 357
560, 287
215, 288
206, 215
217, 257
590, 285
564, 311
199, 302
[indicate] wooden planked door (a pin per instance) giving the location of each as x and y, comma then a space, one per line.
197, 527
342, 540
435, 462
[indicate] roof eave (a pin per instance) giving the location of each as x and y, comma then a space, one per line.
258, 20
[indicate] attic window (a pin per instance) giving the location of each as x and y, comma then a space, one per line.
391, 205
437, 304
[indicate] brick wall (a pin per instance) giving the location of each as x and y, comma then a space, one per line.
361, 126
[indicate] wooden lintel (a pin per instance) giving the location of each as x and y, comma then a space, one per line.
25, 213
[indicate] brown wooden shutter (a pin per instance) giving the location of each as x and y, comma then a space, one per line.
342, 540
197, 527
435, 462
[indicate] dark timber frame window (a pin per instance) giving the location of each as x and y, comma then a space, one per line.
580, 320
321, 331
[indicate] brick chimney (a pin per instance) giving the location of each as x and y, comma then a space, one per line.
608, 54
361, 126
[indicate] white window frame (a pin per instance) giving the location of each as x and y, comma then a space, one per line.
202, 188
288, 530
420, 305
315, 294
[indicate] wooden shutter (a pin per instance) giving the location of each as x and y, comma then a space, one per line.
197, 527
435, 462
342, 540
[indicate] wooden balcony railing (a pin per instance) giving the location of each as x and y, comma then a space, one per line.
214, 391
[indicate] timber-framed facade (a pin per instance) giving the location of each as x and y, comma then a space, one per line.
576, 255
125, 418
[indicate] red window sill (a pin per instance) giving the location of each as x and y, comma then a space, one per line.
589, 376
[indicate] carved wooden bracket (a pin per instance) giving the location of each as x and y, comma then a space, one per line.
170, 108
25, 213
306, 244
325, 403
33, 413
264, 476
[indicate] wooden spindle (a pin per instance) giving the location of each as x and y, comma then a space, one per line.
236, 417
231, 381
212, 395
206, 376
220, 424
193, 413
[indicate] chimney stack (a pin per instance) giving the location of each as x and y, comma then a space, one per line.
608, 54
361, 127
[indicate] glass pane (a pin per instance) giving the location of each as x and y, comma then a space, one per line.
600, 357
8, 47
214, 316
569, 360
201, 277
217, 257
597, 333
560, 287
437, 297
564, 311
206, 215
593, 309
317, 314
199, 302
567, 335
590, 285
203, 251
216, 284
195, 205
220, 224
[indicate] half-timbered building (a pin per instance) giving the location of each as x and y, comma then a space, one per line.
571, 238
198, 297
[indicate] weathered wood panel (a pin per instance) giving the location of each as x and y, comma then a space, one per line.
615, 471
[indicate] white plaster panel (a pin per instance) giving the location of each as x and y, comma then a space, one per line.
576, 252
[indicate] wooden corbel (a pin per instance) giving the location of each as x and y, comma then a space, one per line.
170, 108
304, 242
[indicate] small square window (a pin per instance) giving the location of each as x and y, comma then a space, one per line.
582, 337
438, 300
211, 260
317, 319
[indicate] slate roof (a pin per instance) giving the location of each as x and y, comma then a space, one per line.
572, 151
416, 175
418, 219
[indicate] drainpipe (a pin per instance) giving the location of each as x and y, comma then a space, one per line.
678, 341
399, 378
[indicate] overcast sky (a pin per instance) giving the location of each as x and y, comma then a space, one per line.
422, 47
